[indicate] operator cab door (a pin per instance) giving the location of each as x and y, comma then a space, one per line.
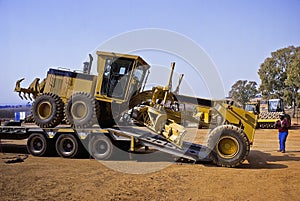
116, 77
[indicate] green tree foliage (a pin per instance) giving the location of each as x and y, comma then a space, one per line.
280, 75
242, 91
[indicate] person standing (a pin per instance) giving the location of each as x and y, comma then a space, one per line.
282, 124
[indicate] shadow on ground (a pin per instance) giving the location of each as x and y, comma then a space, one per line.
256, 159
261, 160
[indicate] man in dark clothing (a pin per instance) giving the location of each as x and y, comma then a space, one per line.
282, 124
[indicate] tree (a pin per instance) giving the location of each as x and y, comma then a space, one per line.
242, 91
280, 75
293, 81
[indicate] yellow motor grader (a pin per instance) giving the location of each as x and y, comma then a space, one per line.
89, 102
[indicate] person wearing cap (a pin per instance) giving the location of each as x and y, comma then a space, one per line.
282, 125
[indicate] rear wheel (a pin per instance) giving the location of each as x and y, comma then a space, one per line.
81, 110
229, 146
37, 144
67, 146
47, 110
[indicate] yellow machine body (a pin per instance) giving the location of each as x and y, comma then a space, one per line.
65, 83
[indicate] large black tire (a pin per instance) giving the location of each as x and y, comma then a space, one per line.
100, 147
47, 110
38, 145
82, 110
228, 145
67, 145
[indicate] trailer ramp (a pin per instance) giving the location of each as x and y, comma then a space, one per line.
147, 138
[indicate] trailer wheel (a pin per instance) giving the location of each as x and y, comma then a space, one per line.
67, 146
101, 147
47, 110
229, 146
81, 110
37, 144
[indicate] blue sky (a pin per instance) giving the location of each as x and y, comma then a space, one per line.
237, 35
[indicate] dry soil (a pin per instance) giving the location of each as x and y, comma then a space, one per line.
266, 175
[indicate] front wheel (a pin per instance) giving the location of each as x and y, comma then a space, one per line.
229, 146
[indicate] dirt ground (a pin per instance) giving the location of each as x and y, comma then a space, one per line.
266, 175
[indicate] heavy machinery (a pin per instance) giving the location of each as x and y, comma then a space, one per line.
268, 111
96, 108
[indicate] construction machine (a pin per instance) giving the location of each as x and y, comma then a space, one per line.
95, 105
268, 111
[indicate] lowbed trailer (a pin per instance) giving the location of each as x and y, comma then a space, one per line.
102, 144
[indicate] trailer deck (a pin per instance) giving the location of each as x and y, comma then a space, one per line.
137, 135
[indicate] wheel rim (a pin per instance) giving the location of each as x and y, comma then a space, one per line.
37, 144
44, 110
67, 146
227, 147
79, 110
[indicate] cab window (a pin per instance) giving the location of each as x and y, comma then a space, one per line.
115, 77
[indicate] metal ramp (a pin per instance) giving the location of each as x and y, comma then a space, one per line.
190, 151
